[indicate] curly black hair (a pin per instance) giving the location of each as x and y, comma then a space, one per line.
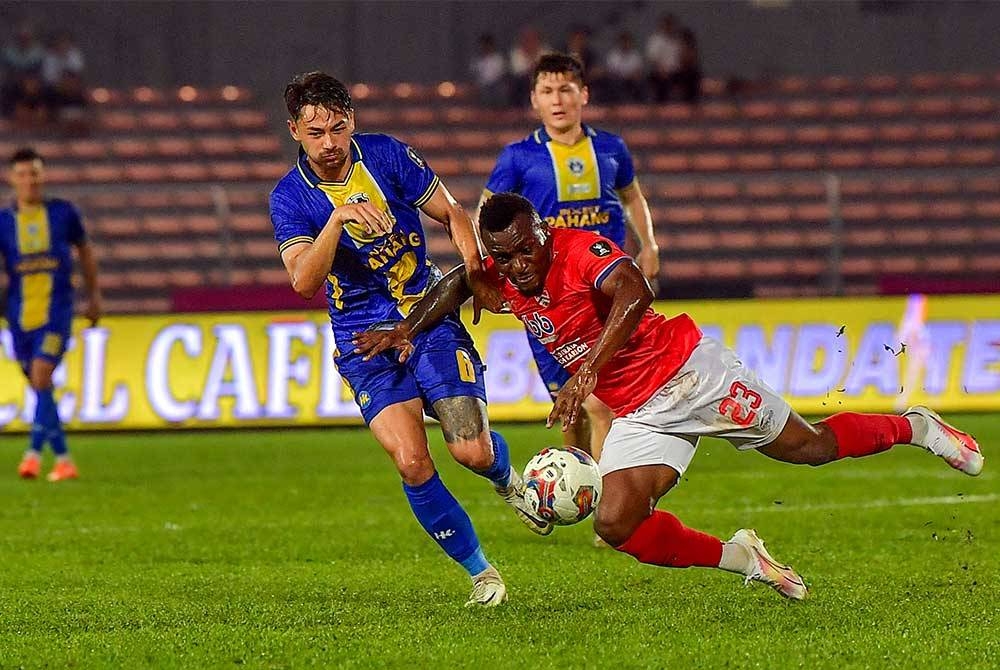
319, 90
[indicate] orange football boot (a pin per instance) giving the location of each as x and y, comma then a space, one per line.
62, 471
30, 466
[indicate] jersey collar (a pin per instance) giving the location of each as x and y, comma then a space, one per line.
311, 178
542, 136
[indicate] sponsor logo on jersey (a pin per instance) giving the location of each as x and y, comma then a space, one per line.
570, 352
357, 198
579, 217
416, 158
600, 249
392, 246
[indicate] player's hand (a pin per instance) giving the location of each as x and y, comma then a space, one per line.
570, 399
94, 310
371, 343
648, 261
485, 296
371, 218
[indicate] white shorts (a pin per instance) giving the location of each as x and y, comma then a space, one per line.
713, 394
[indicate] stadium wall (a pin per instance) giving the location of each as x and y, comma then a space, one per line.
274, 369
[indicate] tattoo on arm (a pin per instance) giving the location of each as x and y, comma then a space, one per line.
462, 418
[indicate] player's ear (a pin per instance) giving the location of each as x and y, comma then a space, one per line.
584, 94
293, 130
350, 121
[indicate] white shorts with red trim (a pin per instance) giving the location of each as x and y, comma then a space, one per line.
713, 395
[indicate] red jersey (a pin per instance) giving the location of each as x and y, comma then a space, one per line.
569, 314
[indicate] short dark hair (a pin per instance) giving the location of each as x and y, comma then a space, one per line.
318, 89
25, 154
557, 63
500, 210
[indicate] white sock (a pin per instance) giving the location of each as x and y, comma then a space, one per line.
918, 424
735, 558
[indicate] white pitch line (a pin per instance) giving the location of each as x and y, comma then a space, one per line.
871, 504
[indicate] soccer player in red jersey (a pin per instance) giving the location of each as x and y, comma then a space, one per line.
667, 384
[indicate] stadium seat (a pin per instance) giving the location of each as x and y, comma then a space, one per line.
728, 136
718, 189
854, 134
885, 107
160, 120
812, 135
976, 156
768, 135
764, 189
899, 265
845, 159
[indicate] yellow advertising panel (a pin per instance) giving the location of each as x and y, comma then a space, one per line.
275, 369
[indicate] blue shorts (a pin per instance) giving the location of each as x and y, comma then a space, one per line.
48, 343
444, 364
554, 375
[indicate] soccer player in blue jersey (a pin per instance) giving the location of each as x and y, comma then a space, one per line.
575, 176
347, 214
37, 235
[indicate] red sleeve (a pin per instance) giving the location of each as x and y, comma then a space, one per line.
596, 258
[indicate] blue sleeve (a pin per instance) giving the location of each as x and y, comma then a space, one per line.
505, 175
291, 225
626, 170
74, 225
417, 181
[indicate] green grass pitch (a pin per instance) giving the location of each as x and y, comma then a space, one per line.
291, 549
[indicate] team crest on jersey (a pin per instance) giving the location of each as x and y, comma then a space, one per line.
600, 249
575, 166
357, 198
364, 399
543, 300
416, 158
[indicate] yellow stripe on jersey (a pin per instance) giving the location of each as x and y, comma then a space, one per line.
422, 200
576, 171
292, 241
52, 344
360, 186
34, 237
33, 231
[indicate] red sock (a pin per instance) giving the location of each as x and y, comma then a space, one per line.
865, 434
663, 540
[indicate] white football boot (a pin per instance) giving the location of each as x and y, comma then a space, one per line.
513, 495
763, 568
488, 589
959, 450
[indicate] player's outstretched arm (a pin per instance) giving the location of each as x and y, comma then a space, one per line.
88, 267
447, 295
641, 222
630, 297
443, 207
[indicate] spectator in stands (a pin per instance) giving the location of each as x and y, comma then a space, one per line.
663, 52
22, 64
624, 70
62, 71
688, 77
523, 58
489, 71
578, 46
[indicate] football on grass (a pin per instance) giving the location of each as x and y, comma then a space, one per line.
562, 485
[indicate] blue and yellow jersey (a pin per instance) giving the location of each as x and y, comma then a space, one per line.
571, 186
373, 278
35, 244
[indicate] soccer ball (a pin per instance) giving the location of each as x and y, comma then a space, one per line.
562, 485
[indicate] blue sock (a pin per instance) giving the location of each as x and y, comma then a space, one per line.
56, 435
44, 402
499, 472
447, 523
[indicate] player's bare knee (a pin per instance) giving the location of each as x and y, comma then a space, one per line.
476, 454
414, 469
615, 523
40, 380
